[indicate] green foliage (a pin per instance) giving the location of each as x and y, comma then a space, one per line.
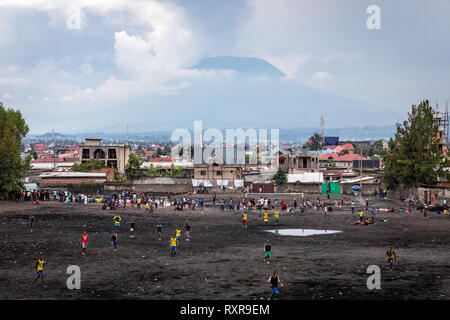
89, 165
373, 151
33, 154
139, 151
414, 157
153, 171
12, 168
315, 142
175, 171
134, 165
280, 177
165, 151
119, 177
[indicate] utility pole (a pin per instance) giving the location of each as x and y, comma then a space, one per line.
360, 175
322, 127
54, 147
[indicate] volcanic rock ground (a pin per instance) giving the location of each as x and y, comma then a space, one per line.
222, 260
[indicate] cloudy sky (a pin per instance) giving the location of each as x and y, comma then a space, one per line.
84, 65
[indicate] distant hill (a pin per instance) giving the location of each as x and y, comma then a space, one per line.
299, 135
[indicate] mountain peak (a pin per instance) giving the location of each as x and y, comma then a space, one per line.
242, 65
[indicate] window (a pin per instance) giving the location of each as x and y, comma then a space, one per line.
203, 172
218, 173
112, 154
99, 154
86, 154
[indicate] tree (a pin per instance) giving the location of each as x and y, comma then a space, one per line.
153, 171
89, 165
140, 151
414, 157
12, 167
34, 154
134, 165
280, 177
315, 142
175, 171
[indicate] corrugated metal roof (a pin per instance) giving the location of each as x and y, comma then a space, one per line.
307, 177
73, 175
357, 180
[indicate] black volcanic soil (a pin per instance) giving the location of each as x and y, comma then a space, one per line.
222, 260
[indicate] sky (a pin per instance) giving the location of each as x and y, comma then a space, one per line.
88, 66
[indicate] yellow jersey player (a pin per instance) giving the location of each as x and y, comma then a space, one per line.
244, 220
266, 217
117, 220
390, 255
173, 246
40, 269
178, 235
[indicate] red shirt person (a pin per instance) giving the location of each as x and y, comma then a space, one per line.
84, 242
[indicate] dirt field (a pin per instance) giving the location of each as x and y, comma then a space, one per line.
222, 260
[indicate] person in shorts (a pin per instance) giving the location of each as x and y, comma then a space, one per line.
84, 242
266, 217
390, 255
114, 240
40, 270
274, 281
173, 246
267, 251
159, 231
117, 220
178, 235
187, 231
31, 219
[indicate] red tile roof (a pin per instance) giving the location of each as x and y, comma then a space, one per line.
167, 159
50, 159
351, 157
327, 156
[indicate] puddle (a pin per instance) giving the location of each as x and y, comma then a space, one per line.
302, 232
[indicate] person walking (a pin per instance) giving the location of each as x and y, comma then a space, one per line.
187, 231
274, 281
40, 270
173, 246
267, 251
114, 240
390, 255
159, 230
84, 242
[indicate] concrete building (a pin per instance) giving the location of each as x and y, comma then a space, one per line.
346, 161
115, 156
216, 173
298, 163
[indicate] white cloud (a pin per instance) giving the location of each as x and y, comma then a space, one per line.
321, 75
14, 81
148, 60
7, 96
